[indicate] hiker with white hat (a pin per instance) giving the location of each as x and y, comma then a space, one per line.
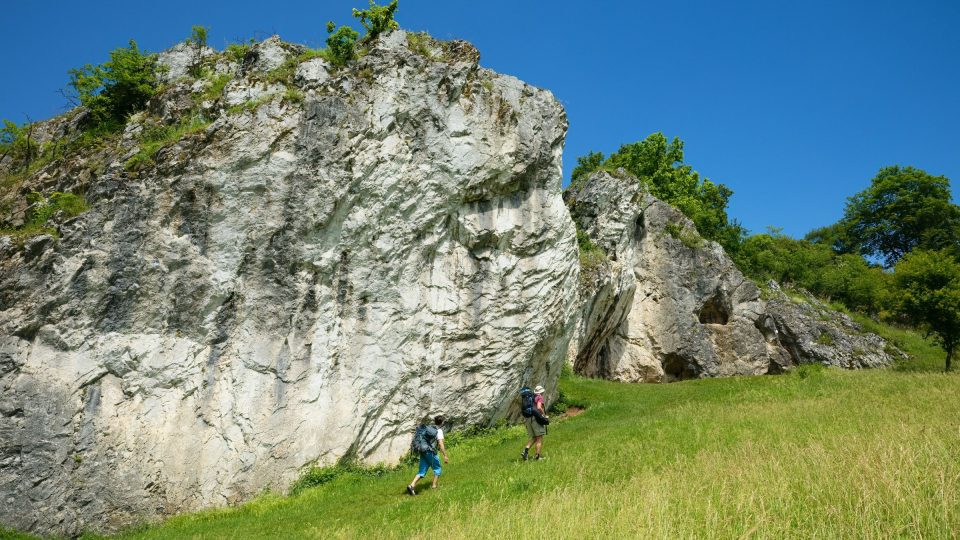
536, 428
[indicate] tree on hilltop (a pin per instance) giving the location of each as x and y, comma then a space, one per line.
377, 19
658, 164
903, 209
115, 89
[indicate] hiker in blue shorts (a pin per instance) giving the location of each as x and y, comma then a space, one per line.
425, 442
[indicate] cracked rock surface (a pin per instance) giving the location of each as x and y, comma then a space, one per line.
302, 280
669, 305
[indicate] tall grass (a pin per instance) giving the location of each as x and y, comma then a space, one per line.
818, 453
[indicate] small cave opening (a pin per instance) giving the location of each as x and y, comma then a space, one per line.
677, 368
715, 310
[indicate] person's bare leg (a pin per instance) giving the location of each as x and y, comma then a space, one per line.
539, 441
436, 480
526, 449
411, 487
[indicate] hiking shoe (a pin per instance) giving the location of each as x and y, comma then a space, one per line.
538, 457
523, 455
411, 491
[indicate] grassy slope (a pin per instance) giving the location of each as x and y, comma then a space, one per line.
816, 453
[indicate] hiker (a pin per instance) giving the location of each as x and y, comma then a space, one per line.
425, 442
536, 423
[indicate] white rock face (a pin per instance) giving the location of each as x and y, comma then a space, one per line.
299, 282
669, 305
178, 59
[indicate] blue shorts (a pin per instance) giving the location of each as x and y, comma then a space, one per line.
429, 460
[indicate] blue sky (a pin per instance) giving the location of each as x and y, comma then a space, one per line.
794, 105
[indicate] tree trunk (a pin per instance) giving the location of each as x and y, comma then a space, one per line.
949, 357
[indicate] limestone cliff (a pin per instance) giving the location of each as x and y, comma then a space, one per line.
667, 304
315, 265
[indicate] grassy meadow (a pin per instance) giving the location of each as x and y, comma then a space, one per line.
816, 453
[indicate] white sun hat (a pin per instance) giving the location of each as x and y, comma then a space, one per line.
538, 390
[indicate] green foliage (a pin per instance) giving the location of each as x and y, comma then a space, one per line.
817, 268
565, 402
928, 295
658, 164
825, 339
237, 51
8, 534
214, 91
198, 36
585, 166
156, 137
923, 354
341, 44
16, 143
377, 19
687, 237
43, 209
318, 476
197, 40
118, 87
808, 371
592, 256
251, 104
419, 42
903, 209
293, 95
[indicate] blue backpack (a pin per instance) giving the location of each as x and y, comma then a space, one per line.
423, 439
526, 402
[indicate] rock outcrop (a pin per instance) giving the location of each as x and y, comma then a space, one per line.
668, 305
812, 331
334, 255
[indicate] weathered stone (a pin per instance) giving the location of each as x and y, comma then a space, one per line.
315, 71
299, 282
669, 305
812, 332
178, 60
271, 53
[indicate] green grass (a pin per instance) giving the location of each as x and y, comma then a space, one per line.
687, 237
158, 137
821, 453
251, 104
214, 91
924, 353
7, 534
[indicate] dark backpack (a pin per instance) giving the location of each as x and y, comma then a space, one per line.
526, 402
423, 439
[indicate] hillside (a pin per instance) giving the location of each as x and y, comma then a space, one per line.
820, 452
231, 275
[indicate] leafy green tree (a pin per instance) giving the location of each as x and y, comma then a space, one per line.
15, 143
834, 236
341, 43
658, 164
377, 19
928, 294
817, 268
585, 165
903, 209
118, 87
198, 40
